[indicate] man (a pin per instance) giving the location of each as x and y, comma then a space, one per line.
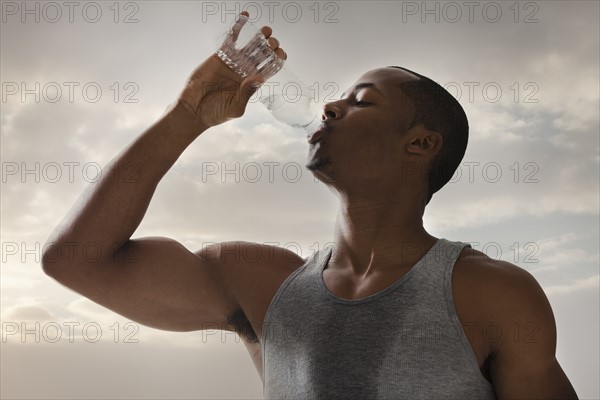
389, 312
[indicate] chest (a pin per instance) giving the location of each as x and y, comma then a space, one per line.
465, 300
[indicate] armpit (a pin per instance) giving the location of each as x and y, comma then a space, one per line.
240, 325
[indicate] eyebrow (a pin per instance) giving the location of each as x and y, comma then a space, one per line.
362, 86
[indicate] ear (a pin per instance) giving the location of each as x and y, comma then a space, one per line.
424, 141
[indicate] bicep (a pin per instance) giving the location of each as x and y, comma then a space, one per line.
530, 378
525, 365
158, 283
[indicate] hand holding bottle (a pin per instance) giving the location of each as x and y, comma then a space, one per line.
215, 92
252, 52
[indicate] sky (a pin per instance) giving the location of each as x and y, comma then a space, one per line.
81, 80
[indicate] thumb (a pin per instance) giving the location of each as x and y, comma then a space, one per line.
249, 86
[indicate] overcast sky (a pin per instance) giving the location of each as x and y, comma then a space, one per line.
81, 81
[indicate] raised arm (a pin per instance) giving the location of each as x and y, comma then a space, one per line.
155, 281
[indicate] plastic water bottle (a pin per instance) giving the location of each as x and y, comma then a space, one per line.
245, 50
290, 101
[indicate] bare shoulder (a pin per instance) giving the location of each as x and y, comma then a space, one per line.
502, 282
252, 273
508, 301
516, 323
500, 292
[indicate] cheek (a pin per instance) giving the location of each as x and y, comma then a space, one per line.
371, 151
368, 141
371, 160
378, 143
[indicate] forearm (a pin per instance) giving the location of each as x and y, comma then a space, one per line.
110, 210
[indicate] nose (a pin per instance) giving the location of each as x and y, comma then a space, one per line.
331, 111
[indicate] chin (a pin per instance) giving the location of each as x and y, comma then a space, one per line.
321, 168
315, 164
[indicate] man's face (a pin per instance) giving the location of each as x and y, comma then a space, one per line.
362, 142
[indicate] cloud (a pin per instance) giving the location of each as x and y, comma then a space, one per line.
520, 169
28, 313
13, 279
564, 252
575, 312
554, 141
593, 282
82, 320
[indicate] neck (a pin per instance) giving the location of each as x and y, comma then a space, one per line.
377, 236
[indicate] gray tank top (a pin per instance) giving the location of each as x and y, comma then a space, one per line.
404, 342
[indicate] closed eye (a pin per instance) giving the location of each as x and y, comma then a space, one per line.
361, 103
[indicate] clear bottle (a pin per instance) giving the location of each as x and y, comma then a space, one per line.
290, 101
245, 50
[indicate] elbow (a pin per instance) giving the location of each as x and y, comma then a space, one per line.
61, 262
51, 259
67, 270
57, 258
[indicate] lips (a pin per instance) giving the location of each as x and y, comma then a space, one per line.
318, 134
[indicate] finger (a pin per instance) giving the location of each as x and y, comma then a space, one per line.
281, 53
239, 24
273, 43
266, 31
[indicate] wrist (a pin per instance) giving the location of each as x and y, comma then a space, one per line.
182, 119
